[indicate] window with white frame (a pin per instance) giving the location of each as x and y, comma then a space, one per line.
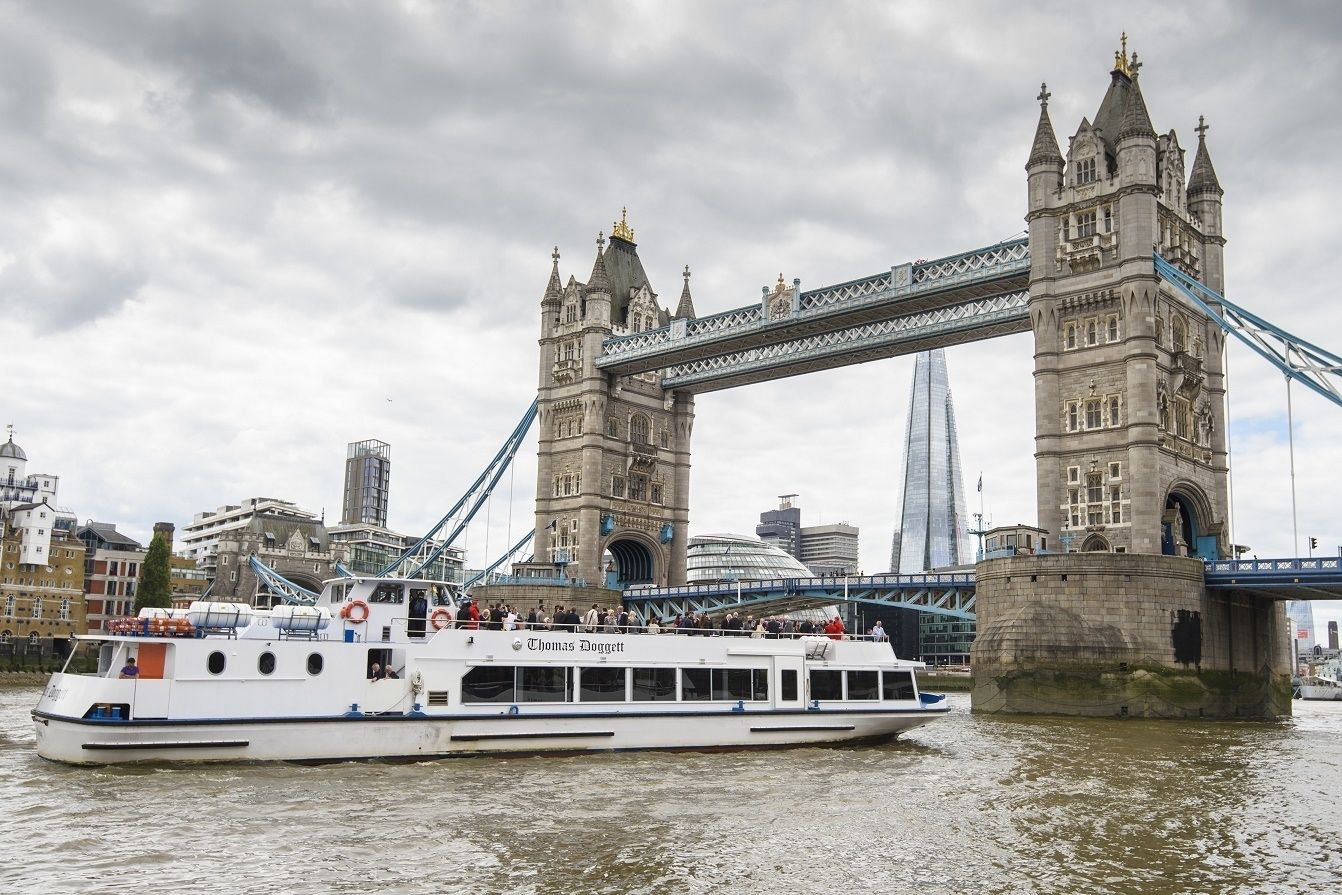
1085, 224
1111, 327
1114, 470
1074, 473
1069, 336
1073, 416
1113, 410
1093, 417
37, 607
1085, 171
1092, 332
617, 486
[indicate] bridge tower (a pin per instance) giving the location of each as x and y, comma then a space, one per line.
1129, 446
1129, 377
613, 453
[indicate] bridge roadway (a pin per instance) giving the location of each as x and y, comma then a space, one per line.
909, 308
945, 594
954, 594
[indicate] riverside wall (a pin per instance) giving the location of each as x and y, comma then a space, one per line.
1108, 634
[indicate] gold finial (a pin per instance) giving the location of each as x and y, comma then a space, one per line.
1121, 62
781, 285
621, 228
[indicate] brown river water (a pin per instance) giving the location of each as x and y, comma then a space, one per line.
969, 804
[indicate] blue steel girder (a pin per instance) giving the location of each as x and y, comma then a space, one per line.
1315, 367
984, 318
952, 595
1312, 578
903, 291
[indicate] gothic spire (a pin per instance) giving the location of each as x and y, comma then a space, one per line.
1136, 120
685, 310
599, 281
554, 289
1203, 176
1045, 149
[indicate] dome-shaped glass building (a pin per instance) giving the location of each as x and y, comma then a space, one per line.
727, 557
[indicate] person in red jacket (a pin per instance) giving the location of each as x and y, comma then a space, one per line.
834, 629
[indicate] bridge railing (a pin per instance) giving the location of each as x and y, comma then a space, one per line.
794, 585
1271, 566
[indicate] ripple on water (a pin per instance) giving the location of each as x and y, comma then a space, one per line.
967, 804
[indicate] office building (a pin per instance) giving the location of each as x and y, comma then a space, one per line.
367, 483
781, 528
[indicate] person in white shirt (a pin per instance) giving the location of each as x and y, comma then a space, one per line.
878, 632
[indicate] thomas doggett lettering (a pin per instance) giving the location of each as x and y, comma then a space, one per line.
541, 645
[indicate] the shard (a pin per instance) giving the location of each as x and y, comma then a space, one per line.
933, 527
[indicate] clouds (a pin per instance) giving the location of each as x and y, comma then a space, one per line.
259, 221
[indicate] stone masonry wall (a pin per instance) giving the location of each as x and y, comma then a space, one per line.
1123, 634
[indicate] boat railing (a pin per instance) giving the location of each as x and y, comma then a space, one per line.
521, 627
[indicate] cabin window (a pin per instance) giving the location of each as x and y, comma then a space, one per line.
387, 593
897, 684
826, 684
488, 683
654, 685
315, 663
543, 684
601, 684
788, 684
694, 683
731, 684
266, 663
863, 685
215, 663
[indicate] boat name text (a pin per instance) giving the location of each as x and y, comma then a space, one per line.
582, 645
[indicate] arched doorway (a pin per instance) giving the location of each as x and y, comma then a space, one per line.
1183, 529
634, 563
1095, 544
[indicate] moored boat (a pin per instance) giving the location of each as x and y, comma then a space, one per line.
224, 682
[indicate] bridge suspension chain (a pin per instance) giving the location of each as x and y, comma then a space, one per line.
1315, 367
464, 510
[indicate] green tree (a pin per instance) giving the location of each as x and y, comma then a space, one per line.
155, 587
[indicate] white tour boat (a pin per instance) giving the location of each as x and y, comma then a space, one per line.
225, 682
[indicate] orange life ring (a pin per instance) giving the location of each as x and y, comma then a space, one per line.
349, 609
440, 618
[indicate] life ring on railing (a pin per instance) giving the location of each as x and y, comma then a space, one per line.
440, 618
348, 612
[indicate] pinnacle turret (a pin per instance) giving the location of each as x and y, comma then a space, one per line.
554, 289
1045, 149
685, 309
1203, 176
599, 281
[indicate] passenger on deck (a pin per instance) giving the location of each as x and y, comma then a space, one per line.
878, 632
375, 672
834, 630
129, 669
592, 620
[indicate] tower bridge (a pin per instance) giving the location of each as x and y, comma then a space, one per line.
1121, 282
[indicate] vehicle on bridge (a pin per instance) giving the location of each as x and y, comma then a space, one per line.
376, 669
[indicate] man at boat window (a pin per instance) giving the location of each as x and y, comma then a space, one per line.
130, 669
389, 673
375, 672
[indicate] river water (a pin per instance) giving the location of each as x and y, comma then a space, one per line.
969, 804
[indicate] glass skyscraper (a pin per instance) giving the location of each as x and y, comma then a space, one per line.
933, 527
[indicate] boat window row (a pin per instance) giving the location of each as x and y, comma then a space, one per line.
216, 662
525, 683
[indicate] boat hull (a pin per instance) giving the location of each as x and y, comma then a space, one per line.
91, 742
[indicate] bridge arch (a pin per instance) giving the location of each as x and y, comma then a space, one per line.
1187, 513
635, 558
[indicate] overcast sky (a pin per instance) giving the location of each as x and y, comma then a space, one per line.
238, 236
